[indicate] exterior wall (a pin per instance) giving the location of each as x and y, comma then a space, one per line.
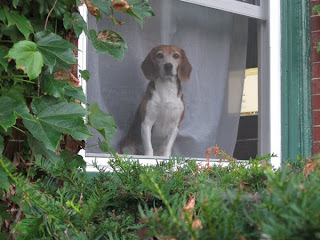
315, 77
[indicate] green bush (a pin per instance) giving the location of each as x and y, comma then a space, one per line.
173, 200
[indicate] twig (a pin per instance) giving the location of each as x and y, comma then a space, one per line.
20, 130
54, 4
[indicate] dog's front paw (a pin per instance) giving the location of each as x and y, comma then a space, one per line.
149, 152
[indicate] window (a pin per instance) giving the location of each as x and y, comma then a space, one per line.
215, 89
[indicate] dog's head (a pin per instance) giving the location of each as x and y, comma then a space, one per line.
166, 61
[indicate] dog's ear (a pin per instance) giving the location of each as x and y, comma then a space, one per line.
185, 68
149, 69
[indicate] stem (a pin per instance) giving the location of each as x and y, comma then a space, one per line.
22, 80
94, 145
6, 41
12, 76
20, 130
45, 25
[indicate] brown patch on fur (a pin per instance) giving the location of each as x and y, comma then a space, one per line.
185, 68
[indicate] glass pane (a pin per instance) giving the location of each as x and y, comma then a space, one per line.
145, 89
253, 2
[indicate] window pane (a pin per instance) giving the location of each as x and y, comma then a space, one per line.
215, 44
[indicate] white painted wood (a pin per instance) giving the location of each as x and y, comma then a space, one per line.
236, 7
275, 80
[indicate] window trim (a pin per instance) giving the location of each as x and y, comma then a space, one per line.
296, 79
245, 9
269, 46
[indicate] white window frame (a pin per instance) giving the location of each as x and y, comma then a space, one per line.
269, 64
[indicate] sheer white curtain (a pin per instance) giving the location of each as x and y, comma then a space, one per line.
216, 45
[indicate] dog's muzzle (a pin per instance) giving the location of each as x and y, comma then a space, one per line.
168, 68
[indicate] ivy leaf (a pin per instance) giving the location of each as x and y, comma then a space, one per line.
102, 122
27, 57
10, 109
104, 146
103, 5
3, 61
318, 48
52, 87
74, 21
38, 148
4, 180
85, 74
15, 92
55, 50
15, 3
20, 21
1, 145
54, 117
75, 92
2, 15
139, 10
108, 41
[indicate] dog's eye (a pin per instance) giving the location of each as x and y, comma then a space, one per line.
160, 55
176, 56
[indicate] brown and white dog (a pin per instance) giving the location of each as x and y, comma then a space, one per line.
158, 118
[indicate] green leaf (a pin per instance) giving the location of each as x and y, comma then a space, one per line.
5, 184
2, 15
75, 92
15, 92
55, 50
140, 10
10, 109
26, 55
15, 3
74, 21
54, 117
20, 21
318, 48
52, 87
85, 74
38, 148
1, 145
29, 225
102, 122
4, 61
108, 41
104, 146
103, 5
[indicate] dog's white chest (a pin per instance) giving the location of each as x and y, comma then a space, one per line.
164, 109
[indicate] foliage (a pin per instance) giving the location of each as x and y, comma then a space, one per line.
42, 125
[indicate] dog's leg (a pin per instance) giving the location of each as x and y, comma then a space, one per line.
146, 127
170, 141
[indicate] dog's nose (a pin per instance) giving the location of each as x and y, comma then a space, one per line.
168, 67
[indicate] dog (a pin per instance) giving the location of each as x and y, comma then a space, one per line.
162, 108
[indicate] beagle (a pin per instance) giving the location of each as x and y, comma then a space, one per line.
161, 110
